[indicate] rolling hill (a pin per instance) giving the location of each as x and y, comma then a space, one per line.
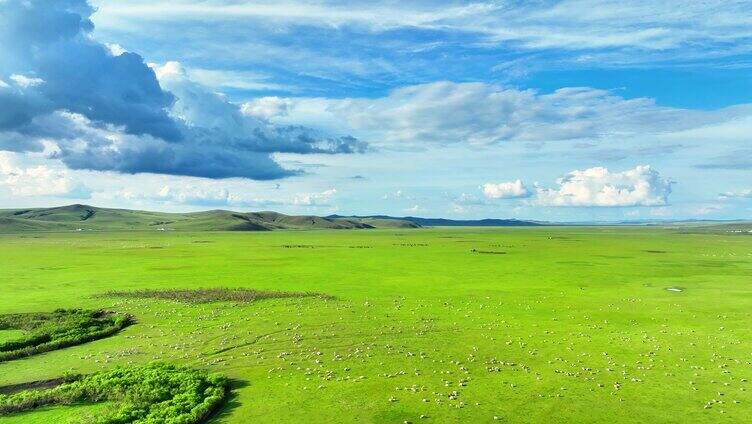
90, 218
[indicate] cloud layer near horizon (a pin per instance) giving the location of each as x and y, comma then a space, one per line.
641, 186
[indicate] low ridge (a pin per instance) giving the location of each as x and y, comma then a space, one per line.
89, 218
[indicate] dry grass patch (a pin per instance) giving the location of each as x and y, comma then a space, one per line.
489, 252
212, 295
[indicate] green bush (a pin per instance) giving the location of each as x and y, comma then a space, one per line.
58, 329
151, 394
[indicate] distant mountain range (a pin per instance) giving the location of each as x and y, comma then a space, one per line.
442, 222
90, 218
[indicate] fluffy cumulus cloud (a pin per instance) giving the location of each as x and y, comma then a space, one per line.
641, 186
39, 180
105, 109
484, 114
54, 64
508, 190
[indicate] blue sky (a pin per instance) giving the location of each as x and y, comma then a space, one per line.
553, 110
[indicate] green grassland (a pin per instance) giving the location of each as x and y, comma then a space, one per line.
522, 325
8, 335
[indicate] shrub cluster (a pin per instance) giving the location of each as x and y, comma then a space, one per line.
58, 329
150, 394
211, 295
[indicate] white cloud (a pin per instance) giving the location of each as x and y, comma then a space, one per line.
508, 190
167, 69
265, 107
315, 199
397, 195
214, 194
641, 186
746, 193
485, 114
192, 195
115, 49
660, 212
708, 208
25, 82
39, 180
413, 209
571, 24
468, 199
457, 208
465, 203
195, 196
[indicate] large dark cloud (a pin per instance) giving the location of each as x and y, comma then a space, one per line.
108, 111
51, 41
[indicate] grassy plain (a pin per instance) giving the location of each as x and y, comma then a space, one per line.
457, 325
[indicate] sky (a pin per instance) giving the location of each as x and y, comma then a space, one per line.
548, 110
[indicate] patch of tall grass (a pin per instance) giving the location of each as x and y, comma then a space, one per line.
150, 394
46, 331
